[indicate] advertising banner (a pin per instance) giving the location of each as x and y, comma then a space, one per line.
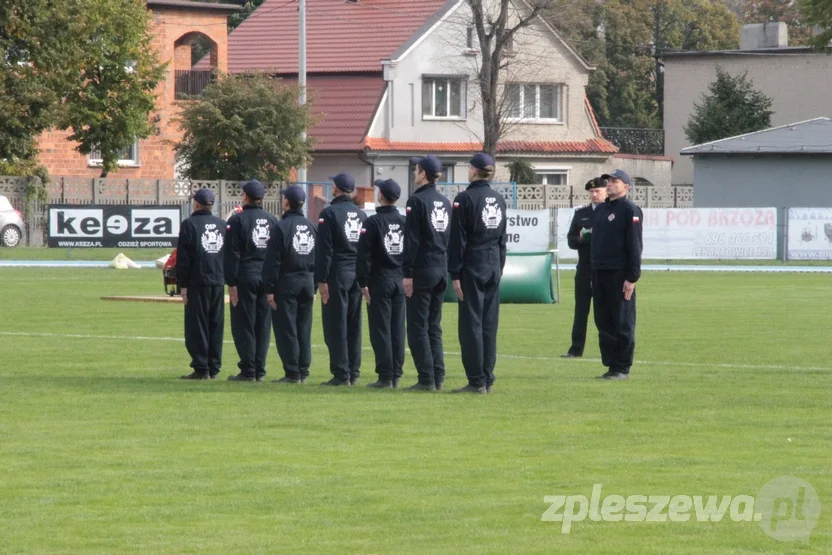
120, 226
697, 233
810, 234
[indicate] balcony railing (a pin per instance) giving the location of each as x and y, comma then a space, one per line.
189, 83
636, 141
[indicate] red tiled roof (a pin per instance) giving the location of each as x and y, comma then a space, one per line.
590, 146
345, 105
341, 36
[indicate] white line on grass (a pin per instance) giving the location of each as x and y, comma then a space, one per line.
516, 357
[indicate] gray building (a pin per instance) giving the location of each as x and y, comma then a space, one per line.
796, 78
781, 167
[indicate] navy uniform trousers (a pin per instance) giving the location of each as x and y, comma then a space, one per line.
615, 319
424, 324
386, 315
204, 326
250, 324
342, 325
479, 313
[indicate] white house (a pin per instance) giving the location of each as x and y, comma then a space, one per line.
393, 79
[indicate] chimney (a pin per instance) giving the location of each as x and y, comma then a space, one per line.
764, 35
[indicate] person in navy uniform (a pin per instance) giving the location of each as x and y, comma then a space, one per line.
616, 267
289, 277
379, 273
247, 237
339, 228
579, 238
476, 258
425, 268
199, 273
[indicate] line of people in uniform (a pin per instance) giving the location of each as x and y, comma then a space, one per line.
398, 265
607, 233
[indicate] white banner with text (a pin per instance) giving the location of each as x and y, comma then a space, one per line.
697, 233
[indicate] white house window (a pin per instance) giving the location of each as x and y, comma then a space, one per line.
443, 97
552, 177
127, 157
469, 37
535, 102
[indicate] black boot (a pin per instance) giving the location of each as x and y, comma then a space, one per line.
286, 379
421, 387
240, 378
335, 382
195, 376
381, 384
471, 389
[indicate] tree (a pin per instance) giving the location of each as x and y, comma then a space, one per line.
731, 108
244, 126
63, 64
522, 171
109, 108
40, 44
495, 29
625, 39
818, 13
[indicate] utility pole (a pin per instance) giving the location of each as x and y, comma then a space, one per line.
302, 70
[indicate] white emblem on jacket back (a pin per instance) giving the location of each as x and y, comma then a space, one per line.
303, 242
439, 217
260, 233
394, 240
352, 227
212, 239
492, 215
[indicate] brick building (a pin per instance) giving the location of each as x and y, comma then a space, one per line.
176, 25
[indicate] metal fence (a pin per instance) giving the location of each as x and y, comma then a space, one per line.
636, 141
189, 83
75, 190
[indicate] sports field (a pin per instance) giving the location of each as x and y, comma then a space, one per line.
103, 449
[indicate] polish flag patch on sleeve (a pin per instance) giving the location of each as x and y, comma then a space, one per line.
363, 230
320, 220
408, 209
636, 219
228, 228
456, 205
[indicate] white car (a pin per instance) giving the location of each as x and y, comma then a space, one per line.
12, 225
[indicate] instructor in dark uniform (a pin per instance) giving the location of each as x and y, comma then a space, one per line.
246, 239
425, 269
379, 273
199, 273
339, 228
579, 238
289, 277
616, 267
476, 258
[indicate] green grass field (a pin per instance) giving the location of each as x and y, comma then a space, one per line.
104, 450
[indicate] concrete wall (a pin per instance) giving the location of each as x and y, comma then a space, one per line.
747, 181
798, 84
540, 58
757, 182
655, 169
